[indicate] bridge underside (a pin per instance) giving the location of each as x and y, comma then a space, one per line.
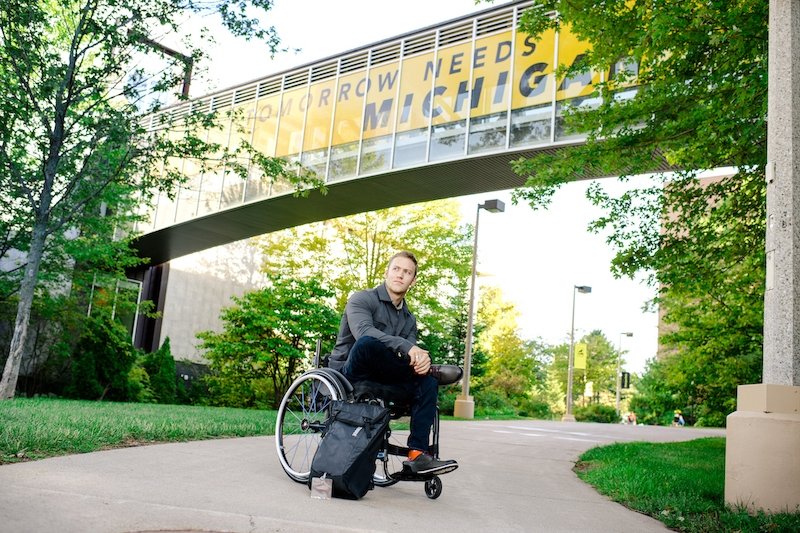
405, 186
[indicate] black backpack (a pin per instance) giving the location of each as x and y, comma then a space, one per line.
349, 447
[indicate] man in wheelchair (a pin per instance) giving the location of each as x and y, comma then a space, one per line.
377, 342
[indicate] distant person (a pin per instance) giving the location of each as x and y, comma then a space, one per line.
631, 418
377, 341
677, 419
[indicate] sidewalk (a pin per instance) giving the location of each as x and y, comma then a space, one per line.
513, 476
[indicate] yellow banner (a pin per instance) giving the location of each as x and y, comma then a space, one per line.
533, 70
415, 83
349, 106
380, 111
265, 124
491, 64
451, 92
290, 125
497, 72
581, 353
570, 50
319, 115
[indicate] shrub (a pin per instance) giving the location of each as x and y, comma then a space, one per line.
160, 367
102, 361
139, 383
447, 399
534, 408
191, 387
596, 412
489, 402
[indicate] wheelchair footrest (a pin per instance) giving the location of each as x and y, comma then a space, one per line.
406, 474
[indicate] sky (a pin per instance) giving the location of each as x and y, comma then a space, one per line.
535, 257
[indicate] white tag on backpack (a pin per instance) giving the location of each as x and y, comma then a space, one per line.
322, 487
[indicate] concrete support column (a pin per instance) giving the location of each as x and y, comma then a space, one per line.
782, 297
762, 465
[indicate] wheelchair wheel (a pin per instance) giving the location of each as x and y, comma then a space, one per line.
301, 419
433, 487
390, 461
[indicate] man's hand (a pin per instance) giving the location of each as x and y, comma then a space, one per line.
420, 360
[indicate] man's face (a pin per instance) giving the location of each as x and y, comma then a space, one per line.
400, 275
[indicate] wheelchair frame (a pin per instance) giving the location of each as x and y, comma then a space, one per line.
301, 420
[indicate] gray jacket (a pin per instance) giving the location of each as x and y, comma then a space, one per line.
371, 313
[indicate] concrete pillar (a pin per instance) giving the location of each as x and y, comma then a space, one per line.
762, 464
782, 298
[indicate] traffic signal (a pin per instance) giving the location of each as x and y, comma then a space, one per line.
626, 380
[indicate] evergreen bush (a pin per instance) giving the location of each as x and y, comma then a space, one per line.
160, 367
102, 361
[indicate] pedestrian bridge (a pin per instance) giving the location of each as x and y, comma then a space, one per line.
431, 114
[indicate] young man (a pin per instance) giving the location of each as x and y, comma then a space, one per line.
378, 342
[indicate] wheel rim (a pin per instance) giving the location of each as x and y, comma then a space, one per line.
390, 462
301, 420
433, 487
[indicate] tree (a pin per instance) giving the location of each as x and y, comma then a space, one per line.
269, 335
701, 103
74, 153
514, 364
601, 366
350, 253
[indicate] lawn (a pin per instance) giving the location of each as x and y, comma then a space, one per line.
680, 483
39, 427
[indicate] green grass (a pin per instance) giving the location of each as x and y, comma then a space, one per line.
38, 428
679, 483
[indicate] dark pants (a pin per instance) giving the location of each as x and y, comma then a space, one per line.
371, 360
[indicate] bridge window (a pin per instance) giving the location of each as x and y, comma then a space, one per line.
316, 161
625, 94
165, 212
447, 140
531, 125
232, 190
487, 133
188, 195
410, 147
562, 134
344, 159
257, 187
376, 154
281, 186
210, 192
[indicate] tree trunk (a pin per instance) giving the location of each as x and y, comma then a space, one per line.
8, 384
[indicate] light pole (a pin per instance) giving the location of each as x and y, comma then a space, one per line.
464, 406
619, 363
568, 416
188, 61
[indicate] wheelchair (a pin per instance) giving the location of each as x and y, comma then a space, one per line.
302, 417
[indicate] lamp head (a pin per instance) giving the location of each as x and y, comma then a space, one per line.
493, 206
628, 333
584, 289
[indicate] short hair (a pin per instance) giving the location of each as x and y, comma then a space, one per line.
407, 255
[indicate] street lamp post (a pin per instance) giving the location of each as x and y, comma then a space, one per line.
568, 416
619, 363
465, 406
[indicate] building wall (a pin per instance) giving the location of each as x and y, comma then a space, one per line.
200, 286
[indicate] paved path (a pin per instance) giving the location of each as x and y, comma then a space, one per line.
514, 476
